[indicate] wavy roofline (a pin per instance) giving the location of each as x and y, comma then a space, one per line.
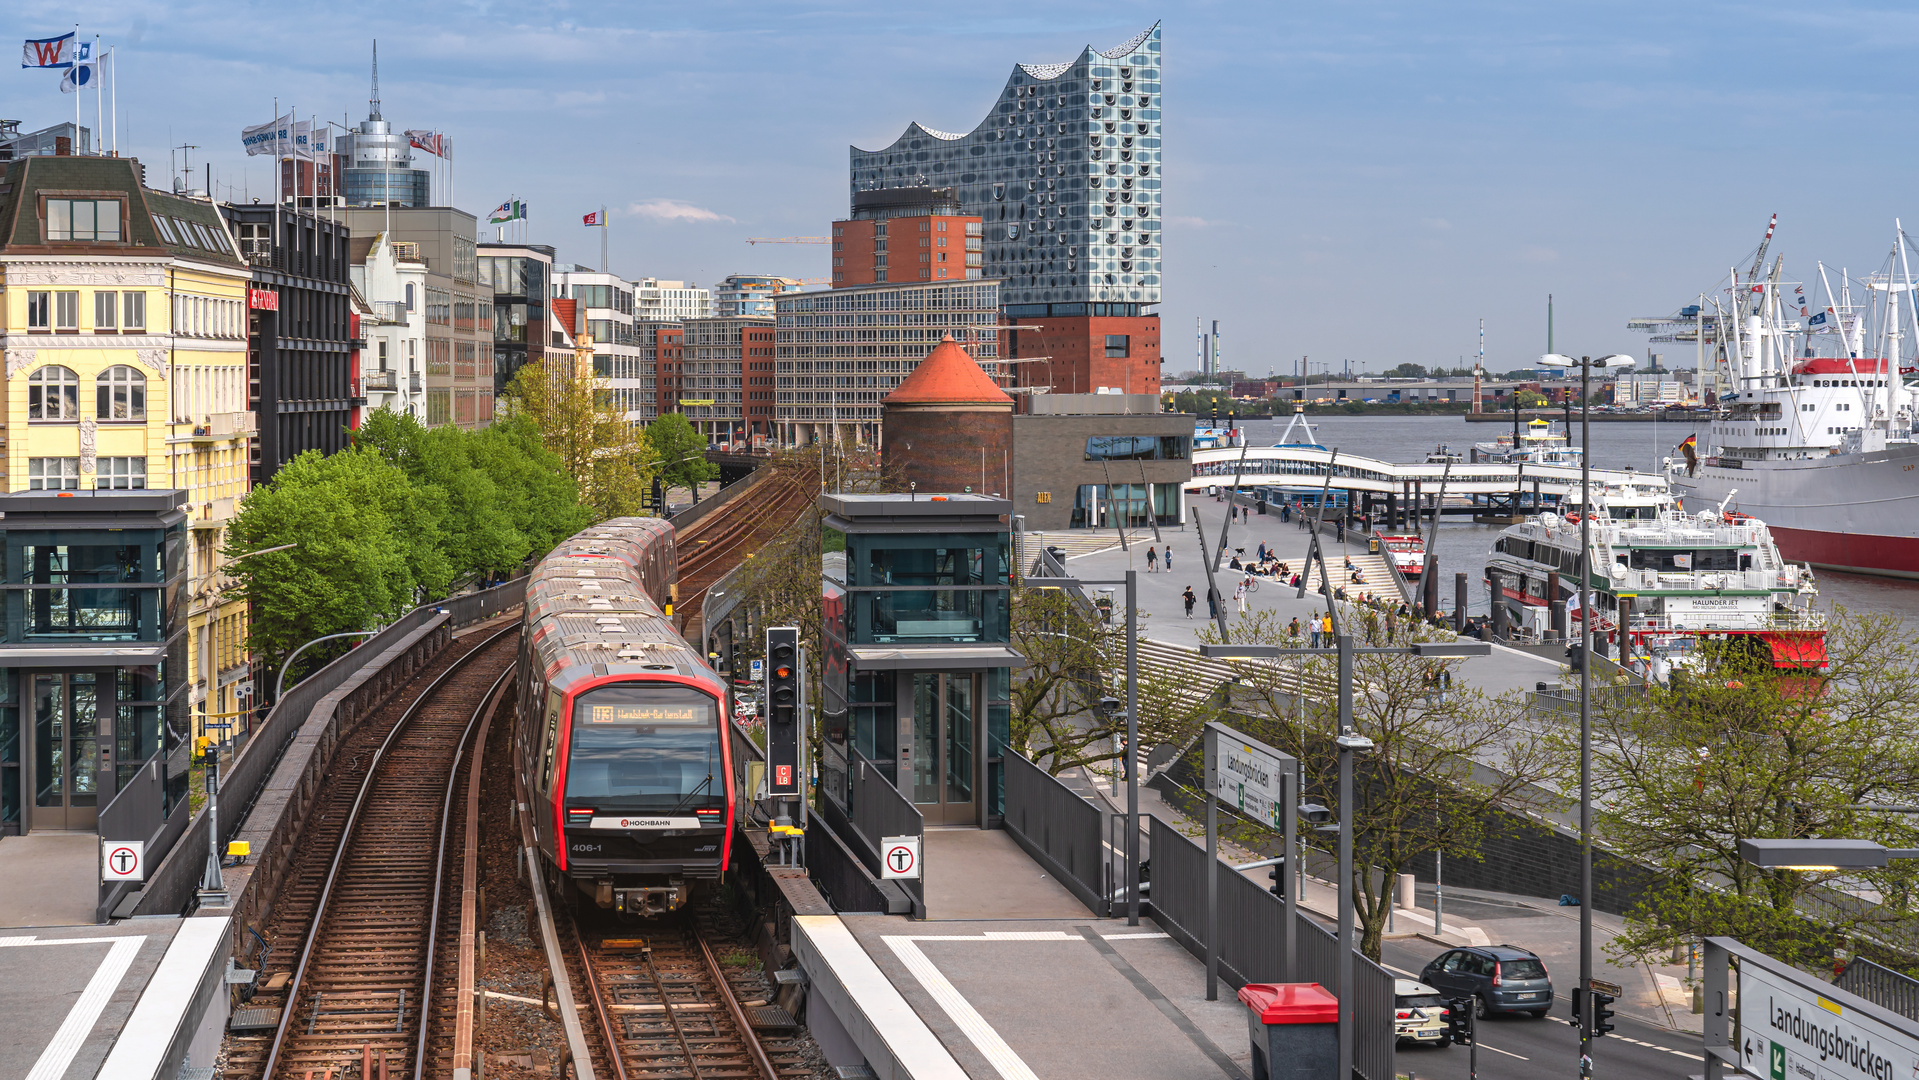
1035, 71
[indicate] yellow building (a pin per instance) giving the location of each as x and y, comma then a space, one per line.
126, 365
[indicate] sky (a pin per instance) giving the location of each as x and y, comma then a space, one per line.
1354, 182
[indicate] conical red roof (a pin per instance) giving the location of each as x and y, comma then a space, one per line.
948, 377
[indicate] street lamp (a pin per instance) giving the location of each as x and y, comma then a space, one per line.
1585, 364
1349, 743
1820, 854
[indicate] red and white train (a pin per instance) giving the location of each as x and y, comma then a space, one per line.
620, 733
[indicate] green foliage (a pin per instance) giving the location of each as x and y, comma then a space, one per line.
681, 452
1734, 749
1406, 371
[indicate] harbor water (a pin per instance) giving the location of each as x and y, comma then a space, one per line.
1462, 545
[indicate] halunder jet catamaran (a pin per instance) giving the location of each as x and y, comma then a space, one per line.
1814, 433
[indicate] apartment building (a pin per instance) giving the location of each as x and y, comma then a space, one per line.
458, 373
127, 450
659, 300
606, 305
716, 353
390, 279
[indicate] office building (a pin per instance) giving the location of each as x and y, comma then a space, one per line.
662, 367
300, 363
517, 278
840, 351
606, 306
658, 300
458, 362
716, 356
1085, 461
59, 140
906, 234
376, 163
750, 295
126, 434
1065, 174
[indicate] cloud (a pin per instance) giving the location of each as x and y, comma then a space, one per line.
1195, 222
1537, 254
1437, 224
675, 210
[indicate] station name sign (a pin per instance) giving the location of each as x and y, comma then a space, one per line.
1792, 1031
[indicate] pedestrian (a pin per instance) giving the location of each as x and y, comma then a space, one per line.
1445, 683
1169, 560
1326, 627
1239, 597
1392, 626
1340, 527
1292, 629
1152, 559
1312, 627
1190, 600
1212, 602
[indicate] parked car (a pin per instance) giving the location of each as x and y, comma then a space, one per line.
1419, 1014
1500, 978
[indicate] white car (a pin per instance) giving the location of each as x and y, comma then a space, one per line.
1419, 1014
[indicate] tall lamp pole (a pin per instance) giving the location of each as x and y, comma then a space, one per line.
1585, 364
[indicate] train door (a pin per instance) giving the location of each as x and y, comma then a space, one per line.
942, 718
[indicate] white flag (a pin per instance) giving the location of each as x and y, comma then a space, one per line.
273, 137
1682, 560
53, 52
78, 77
303, 140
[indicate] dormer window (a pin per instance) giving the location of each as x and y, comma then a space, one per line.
83, 219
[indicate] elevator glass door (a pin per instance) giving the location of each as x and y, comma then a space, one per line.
945, 716
67, 740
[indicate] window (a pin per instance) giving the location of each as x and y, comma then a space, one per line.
39, 311
66, 311
53, 393
83, 219
120, 394
186, 232
166, 230
1117, 345
53, 474
409, 296
121, 474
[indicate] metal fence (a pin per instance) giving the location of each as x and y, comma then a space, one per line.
173, 883
136, 814
1058, 828
1251, 945
1882, 986
879, 810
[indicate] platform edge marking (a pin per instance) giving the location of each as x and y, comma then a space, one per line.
997, 1053
53, 1061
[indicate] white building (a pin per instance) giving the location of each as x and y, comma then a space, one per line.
607, 305
657, 300
391, 277
1633, 388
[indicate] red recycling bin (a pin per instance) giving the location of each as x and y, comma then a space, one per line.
1295, 1030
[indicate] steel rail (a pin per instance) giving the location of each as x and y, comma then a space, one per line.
482, 719
733, 1006
550, 937
346, 838
599, 1004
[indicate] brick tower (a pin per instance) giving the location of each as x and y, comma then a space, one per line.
947, 427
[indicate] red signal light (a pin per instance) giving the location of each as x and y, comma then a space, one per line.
783, 672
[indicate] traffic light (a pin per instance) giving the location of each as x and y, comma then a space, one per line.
1278, 887
1602, 1012
783, 711
1459, 1020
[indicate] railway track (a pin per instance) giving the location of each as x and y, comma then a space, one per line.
370, 886
715, 545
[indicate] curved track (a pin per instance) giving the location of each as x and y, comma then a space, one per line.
713, 546
355, 991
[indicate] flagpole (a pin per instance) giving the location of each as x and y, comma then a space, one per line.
603, 232
99, 102
114, 55
73, 68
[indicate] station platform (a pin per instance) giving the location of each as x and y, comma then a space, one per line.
134, 1000
49, 879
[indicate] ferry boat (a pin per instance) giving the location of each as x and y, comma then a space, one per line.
1678, 578
1816, 437
1540, 443
1406, 552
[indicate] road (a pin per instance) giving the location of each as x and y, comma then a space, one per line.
1522, 1048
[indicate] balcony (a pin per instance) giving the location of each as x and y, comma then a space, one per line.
219, 426
389, 311
380, 381
413, 383
213, 514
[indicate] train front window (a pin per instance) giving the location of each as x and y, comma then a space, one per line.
645, 747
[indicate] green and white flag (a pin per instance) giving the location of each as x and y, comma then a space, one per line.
510, 210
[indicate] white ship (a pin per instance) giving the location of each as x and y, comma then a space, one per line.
1539, 443
1815, 435
1676, 577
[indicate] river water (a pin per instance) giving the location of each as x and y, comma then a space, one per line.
1462, 546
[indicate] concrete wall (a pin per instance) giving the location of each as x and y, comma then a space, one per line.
1049, 460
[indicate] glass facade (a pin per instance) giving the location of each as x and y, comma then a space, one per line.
1065, 173
377, 187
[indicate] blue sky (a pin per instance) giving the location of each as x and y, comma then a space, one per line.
1343, 180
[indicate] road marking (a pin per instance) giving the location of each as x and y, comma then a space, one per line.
1656, 1046
1508, 1053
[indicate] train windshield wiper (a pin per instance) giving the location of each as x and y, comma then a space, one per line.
703, 785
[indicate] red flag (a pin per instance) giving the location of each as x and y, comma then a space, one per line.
597, 217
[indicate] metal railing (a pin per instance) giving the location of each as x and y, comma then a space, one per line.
1251, 944
878, 809
136, 813
172, 884
1882, 986
1058, 828
380, 380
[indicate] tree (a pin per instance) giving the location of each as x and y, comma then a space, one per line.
366, 550
681, 452
1736, 748
541, 501
1407, 371
1423, 787
607, 458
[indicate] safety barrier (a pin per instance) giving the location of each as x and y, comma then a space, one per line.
1882, 986
357, 683
1058, 828
879, 810
136, 814
1251, 945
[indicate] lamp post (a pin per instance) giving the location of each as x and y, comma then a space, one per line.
1585, 364
1349, 743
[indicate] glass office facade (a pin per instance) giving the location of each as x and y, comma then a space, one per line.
1064, 172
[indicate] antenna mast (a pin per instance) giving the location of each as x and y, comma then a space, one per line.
375, 99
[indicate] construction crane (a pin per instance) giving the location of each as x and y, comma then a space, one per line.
789, 239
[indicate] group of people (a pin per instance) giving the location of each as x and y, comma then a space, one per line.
1153, 557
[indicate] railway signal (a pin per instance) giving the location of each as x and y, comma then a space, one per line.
783, 712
